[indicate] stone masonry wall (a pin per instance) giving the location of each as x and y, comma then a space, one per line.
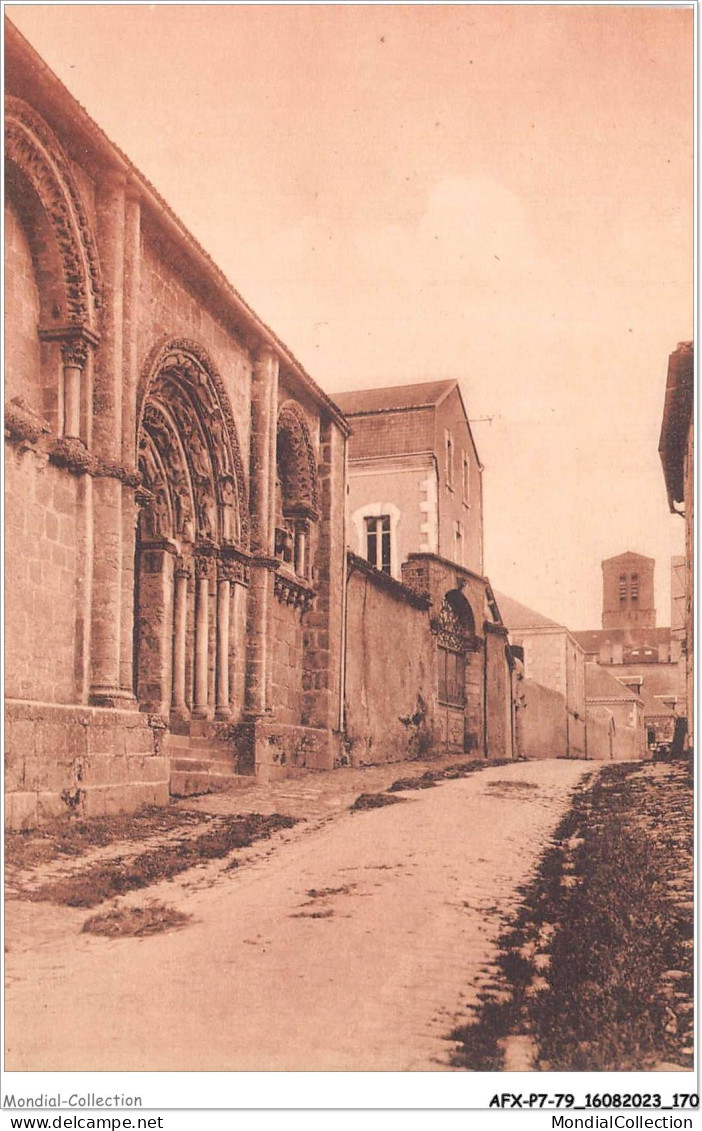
44, 570
288, 662
390, 675
22, 350
498, 698
169, 308
543, 721
83, 760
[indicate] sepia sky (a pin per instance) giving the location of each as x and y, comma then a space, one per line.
501, 194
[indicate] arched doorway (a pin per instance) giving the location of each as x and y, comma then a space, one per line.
192, 537
456, 639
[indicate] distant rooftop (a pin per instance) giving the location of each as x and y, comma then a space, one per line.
628, 555
394, 398
599, 684
516, 615
654, 705
591, 640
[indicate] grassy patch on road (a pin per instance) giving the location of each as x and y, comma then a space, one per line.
597, 970
96, 883
427, 780
464, 769
135, 922
74, 836
375, 801
410, 783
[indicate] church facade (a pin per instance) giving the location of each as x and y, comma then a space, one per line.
175, 493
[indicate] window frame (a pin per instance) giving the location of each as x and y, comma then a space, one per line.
449, 458
378, 528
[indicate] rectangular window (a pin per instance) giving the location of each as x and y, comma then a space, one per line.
622, 587
378, 542
634, 587
448, 440
465, 480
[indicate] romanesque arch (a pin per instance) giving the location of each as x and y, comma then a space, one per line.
188, 451
455, 627
297, 467
44, 189
457, 605
44, 193
297, 489
192, 535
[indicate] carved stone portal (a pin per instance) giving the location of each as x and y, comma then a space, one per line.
195, 502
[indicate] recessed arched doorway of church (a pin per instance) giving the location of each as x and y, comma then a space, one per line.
192, 537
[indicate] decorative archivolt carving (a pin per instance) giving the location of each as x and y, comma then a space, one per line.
32, 148
189, 450
296, 462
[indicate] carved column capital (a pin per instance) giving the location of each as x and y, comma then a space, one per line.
75, 342
205, 566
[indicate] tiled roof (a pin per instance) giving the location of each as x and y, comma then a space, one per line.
394, 397
599, 684
593, 639
653, 705
516, 615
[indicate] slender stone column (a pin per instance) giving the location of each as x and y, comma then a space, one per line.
74, 402
180, 632
237, 642
262, 482
71, 399
156, 629
262, 471
222, 666
203, 571
105, 686
301, 550
130, 377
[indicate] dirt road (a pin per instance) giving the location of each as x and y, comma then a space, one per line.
357, 946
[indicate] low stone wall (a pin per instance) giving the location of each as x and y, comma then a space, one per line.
543, 721
74, 759
600, 734
390, 671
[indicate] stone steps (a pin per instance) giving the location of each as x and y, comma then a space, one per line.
201, 764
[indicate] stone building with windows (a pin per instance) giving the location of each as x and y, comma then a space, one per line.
175, 493
414, 476
415, 531
551, 710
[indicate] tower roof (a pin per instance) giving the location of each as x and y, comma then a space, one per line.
628, 556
